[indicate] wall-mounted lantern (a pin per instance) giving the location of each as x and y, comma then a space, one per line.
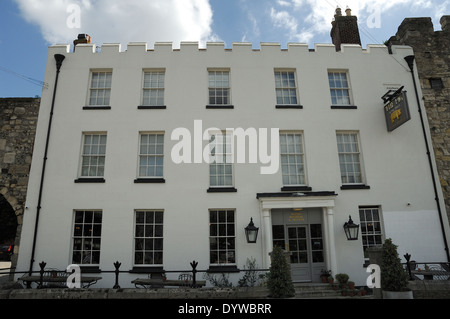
251, 232
351, 229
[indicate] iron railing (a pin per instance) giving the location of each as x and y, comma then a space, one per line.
43, 272
427, 270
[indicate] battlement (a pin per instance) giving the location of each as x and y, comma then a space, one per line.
191, 47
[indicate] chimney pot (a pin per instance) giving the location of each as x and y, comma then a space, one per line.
82, 38
348, 11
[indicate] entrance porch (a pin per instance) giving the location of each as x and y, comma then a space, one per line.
303, 225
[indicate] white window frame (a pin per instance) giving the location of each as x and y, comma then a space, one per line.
284, 88
221, 162
156, 153
346, 154
340, 88
222, 235
149, 238
155, 89
289, 157
370, 230
105, 90
95, 238
213, 86
89, 155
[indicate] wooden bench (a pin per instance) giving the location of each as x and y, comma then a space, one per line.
54, 278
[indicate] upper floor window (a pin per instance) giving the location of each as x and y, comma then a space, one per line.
286, 88
151, 155
339, 88
93, 155
219, 87
292, 158
153, 88
221, 159
100, 88
349, 157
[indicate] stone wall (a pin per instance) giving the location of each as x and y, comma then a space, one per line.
18, 119
431, 50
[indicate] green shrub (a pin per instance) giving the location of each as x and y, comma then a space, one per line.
393, 275
279, 277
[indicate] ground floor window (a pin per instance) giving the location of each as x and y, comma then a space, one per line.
87, 237
222, 237
371, 231
148, 238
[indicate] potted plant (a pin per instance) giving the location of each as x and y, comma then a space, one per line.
342, 280
351, 285
324, 275
394, 279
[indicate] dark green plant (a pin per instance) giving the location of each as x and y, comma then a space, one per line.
279, 278
342, 278
393, 275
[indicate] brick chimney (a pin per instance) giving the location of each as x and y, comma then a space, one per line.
344, 29
82, 38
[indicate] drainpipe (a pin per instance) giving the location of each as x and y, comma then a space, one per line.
410, 60
59, 59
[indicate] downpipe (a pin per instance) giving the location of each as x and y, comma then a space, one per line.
410, 60
59, 58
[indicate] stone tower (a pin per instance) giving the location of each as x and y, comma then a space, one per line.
431, 50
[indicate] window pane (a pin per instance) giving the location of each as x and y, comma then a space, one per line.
222, 237
86, 237
148, 244
151, 157
349, 158
292, 165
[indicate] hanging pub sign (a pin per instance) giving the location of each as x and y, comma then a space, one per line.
396, 110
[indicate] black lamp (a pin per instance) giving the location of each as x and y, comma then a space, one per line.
251, 232
351, 229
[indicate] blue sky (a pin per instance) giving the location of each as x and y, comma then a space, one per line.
30, 26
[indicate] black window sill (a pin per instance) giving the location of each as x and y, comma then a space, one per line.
289, 106
221, 190
151, 107
219, 106
149, 180
90, 269
97, 107
90, 180
344, 107
222, 269
296, 188
356, 186
147, 270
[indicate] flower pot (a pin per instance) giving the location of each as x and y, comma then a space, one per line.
408, 294
324, 278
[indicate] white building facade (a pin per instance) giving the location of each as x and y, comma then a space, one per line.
129, 177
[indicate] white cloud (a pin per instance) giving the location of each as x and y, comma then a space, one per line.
118, 21
315, 16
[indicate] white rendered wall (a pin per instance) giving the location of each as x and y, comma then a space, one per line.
395, 164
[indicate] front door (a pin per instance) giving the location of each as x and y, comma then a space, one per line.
297, 245
305, 246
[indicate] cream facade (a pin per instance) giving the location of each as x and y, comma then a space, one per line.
116, 187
